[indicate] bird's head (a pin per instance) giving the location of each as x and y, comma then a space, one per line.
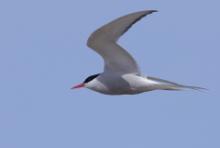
86, 81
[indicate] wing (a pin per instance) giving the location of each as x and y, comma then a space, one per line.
104, 42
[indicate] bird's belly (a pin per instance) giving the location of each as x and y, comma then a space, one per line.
127, 84
116, 88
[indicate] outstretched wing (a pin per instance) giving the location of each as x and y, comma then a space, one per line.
104, 42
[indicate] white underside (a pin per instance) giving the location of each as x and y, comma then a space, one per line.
126, 84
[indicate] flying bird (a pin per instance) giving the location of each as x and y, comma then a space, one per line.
121, 73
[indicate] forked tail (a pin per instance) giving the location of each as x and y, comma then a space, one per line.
168, 85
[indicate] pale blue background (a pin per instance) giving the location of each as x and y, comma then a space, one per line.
43, 53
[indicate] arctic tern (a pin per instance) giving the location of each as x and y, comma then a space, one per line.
121, 72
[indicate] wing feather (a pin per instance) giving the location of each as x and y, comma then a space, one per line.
104, 42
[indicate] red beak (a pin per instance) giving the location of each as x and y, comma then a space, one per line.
78, 86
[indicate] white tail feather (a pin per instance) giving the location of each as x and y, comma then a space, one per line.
168, 85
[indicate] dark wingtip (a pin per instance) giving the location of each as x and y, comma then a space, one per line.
155, 11
149, 11
152, 11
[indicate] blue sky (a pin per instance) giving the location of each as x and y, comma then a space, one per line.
43, 53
